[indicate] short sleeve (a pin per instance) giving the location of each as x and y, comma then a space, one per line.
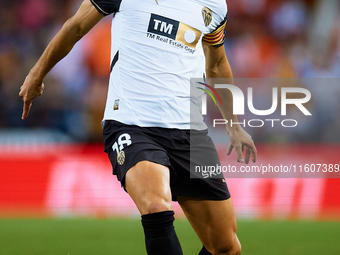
217, 37
106, 7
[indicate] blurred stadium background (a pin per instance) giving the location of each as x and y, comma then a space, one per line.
56, 192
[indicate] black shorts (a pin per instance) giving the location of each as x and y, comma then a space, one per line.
126, 145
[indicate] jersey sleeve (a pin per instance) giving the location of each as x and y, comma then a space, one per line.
217, 37
106, 7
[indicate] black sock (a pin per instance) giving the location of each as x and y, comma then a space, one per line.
160, 235
204, 251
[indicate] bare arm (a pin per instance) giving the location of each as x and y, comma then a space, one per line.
217, 66
71, 32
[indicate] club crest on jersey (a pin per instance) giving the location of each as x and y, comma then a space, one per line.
207, 16
121, 158
172, 31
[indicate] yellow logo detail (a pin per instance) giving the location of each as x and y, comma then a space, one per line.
188, 35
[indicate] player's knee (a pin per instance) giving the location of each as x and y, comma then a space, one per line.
235, 249
227, 248
158, 205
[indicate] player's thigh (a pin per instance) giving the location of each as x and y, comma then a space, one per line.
148, 184
213, 221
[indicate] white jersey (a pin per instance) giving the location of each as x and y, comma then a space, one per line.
156, 49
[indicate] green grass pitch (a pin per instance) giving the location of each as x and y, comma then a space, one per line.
81, 236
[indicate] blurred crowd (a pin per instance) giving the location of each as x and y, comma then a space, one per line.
265, 39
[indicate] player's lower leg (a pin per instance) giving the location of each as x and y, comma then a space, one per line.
160, 235
148, 185
215, 224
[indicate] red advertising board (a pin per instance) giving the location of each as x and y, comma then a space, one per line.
68, 180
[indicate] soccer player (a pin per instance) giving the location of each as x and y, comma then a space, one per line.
147, 126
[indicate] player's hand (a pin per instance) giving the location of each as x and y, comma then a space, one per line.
241, 140
28, 92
